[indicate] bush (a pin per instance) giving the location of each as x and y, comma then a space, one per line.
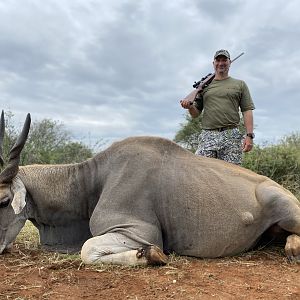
279, 162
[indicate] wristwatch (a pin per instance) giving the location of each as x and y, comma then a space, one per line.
251, 135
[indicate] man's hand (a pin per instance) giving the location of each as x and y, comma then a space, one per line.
247, 144
186, 104
194, 112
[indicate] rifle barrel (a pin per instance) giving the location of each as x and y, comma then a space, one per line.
238, 56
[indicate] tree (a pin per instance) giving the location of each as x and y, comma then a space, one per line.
72, 152
188, 134
48, 143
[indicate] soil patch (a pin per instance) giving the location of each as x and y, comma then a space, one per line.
35, 274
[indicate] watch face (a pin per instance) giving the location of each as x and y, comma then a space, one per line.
251, 135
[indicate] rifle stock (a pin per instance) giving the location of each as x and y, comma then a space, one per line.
191, 96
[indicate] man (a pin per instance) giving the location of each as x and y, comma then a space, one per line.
219, 104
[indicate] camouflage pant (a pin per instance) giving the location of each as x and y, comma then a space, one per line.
225, 145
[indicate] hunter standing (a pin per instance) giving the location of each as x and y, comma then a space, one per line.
220, 103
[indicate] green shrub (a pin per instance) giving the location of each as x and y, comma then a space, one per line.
279, 162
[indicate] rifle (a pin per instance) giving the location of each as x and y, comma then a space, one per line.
203, 83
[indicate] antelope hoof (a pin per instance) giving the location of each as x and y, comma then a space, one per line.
292, 248
153, 254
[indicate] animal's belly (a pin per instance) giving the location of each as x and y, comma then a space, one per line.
210, 218
217, 247
214, 239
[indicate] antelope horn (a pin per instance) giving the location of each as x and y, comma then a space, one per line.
12, 168
2, 128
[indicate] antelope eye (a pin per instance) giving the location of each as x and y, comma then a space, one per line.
4, 202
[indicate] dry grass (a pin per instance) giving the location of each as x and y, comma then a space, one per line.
29, 237
27, 243
29, 254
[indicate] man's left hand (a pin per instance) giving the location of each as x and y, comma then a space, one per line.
247, 144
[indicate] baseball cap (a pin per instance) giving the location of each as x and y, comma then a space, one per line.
222, 52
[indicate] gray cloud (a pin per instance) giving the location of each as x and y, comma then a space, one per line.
111, 69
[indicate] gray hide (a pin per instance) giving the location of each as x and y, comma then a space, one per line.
154, 192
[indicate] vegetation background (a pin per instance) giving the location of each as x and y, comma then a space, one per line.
50, 143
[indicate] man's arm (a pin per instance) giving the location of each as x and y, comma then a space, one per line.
248, 121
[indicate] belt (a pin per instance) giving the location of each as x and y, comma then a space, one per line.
223, 128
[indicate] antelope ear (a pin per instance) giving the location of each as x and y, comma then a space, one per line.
19, 191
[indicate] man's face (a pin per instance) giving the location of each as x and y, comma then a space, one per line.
221, 64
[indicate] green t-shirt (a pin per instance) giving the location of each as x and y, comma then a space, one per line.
221, 102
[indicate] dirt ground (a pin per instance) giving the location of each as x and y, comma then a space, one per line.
35, 274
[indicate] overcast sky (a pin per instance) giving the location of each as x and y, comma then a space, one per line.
112, 69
